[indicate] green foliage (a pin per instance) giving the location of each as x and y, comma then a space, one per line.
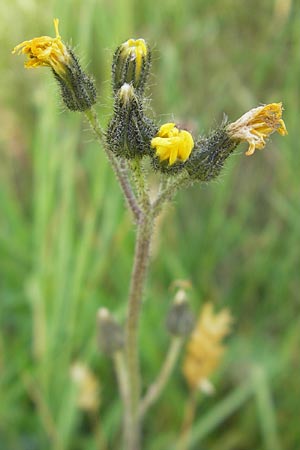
66, 241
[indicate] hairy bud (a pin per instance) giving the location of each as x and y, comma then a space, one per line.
77, 88
209, 155
180, 319
129, 132
131, 64
110, 333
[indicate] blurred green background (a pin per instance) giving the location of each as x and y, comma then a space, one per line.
66, 241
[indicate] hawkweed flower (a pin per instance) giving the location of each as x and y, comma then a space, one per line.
205, 348
77, 88
88, 387
131, 64
172, 147
130, 131
256, 126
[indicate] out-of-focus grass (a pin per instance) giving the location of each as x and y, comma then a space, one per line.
66, 243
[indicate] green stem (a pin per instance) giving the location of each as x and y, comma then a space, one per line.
119, 168
188, 420
122, 377
159, 384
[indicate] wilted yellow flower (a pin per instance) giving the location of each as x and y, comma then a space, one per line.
256, 125
205, 349
136, 49
77, 88
88, 386
45, 51
172, 144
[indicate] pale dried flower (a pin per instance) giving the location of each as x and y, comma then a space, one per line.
256, 125
205, 348
88, 387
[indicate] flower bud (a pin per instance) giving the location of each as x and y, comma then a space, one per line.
180, 319
129, 132
77, 89
110, 333
131, 64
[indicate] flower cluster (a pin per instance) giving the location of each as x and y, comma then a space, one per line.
131, 133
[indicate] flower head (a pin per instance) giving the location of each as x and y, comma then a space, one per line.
46, 51
172, 144
205, 347
256, 126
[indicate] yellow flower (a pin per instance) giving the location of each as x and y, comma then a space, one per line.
256, 125
131, 64
137, 50
205, 349
172, 144
45, 51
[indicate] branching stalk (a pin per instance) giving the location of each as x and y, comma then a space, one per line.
140, 183
168, 193
163, 377
119, 168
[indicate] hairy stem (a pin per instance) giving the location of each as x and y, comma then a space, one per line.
163, 377
119, 168
140, 183
140, 265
